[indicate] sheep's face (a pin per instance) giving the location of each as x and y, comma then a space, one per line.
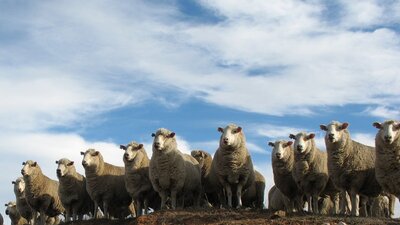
388, 131
19, 185
131, 151
91, 158
29, 168
334, 131
281, 149
164, 140
231, 136
65, 167
200, 156
302, 142
11, 208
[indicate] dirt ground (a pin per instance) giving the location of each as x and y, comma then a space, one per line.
222, 216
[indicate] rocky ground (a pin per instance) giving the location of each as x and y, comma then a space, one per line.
222, 216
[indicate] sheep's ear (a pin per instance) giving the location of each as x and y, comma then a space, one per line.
311, 136
289, 143
323, 127
344, 126
272, 144
70, 163
56, 161
153, 134
292, 136
202, 154
396, 126
193, 153
23, 163
171, 135
34, 164
5, 205
122, 147
13, 182
220, 129
96, 153
82, 153
140, 146
239, 129
377, 125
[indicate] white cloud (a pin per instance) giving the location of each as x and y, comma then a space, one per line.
364, 138
384, 112
274, 131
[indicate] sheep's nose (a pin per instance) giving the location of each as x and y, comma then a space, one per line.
7, 212
84, 163
58, 171
22, 172
126, 155
299, 147
278, 155
330, 135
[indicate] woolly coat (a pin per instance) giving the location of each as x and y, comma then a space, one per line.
232, 164
137, 179
106, 183
39, 190
254, 195
351, 166
170, 170
22, 205
282, 170
387, 164
276, 199
72, 191
15, 217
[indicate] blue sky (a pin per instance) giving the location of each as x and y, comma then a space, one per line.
75, 74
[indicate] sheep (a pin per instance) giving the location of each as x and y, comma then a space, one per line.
15, 217
276, 199
310, 171
171, 172
387, 163
41, 192
137, 179
380, 206
282, 158
350, 165
208, 181
232, 164
254, 195
72, 191
22, 205
105, 184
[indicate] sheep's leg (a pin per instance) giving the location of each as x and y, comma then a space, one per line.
364, 202
35, 217
75, 213
173, 198
336, 200
42, 217
343, 202
392, 201
96, 210
146, 206
105, 208
228, 192
68, 214
355, 202
163, 197
239, 196
315, 204
309, 202
138, 208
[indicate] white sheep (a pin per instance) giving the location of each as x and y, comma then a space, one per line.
232, 164
282, 158
137, 179
311, 171
22, 205
41, 192
105, 184
254, 195
277, 200
387, 162
72, 191
15, 217
172, 173
350, 165
208, 182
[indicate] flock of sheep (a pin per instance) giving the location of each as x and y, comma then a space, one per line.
348, 177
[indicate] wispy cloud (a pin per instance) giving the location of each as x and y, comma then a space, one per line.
384, 112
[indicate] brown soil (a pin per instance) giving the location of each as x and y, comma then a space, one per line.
222, 216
